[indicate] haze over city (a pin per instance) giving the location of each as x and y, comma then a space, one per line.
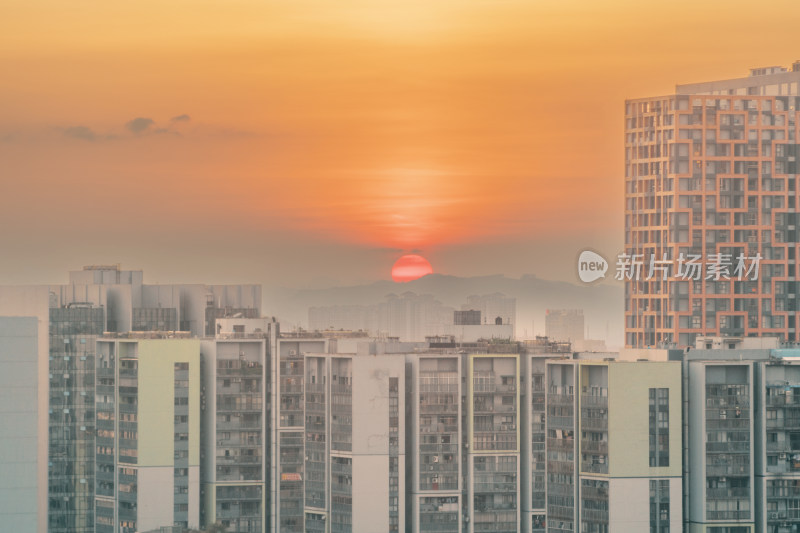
460, 266
312, 143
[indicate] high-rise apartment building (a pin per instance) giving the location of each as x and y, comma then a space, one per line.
720, 422
613, 446
74, 330
236, 400
354, 471
287, 449
435, 436
148, 433
493, 442
711, 176
533, 432
70, 318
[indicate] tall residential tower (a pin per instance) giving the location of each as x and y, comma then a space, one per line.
710, 174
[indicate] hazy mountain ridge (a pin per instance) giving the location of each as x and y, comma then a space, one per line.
602, 303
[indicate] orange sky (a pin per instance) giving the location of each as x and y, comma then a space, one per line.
451, 127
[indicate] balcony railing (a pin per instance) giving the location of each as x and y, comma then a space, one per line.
725, 494
599, 447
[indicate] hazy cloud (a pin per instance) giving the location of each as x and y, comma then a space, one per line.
81, 132
167, 131
139, 125
181, 118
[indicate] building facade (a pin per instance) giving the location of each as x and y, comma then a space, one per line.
613, 446
70, 318
435, 443
354, 471
493, 442
236, 408
710, 175
148, 433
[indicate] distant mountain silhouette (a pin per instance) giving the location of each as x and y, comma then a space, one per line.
602, 303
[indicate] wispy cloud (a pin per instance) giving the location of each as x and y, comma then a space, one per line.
83, 133
181, 118
139, 125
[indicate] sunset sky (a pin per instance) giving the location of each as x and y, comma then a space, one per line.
302, 141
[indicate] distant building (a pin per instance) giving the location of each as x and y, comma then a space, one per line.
496, 308
474, 333
590, 345
564, 325
470, 317
409, 316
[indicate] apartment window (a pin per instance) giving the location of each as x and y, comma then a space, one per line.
659, 506
659, 427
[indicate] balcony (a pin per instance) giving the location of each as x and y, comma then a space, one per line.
254, 370
561, 445
728, 447
438, 448
594, 515
594, 423
727, 470
559, 467
495, 487
729, 493
594, 401
560, 512
561, 399
238, 460
727, 423
438, 408
594, 468
591, 446
727, 515
566, 422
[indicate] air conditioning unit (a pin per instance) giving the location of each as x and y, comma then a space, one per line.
773, 516
782, 457
292, 352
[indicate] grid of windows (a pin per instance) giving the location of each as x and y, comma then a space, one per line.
659, 506
659, 427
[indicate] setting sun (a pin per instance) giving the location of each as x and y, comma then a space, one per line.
410, 267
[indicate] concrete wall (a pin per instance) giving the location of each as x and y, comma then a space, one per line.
371, 441
629, 385
629, 505
156, 416
155, 496
20, 482
33, 301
